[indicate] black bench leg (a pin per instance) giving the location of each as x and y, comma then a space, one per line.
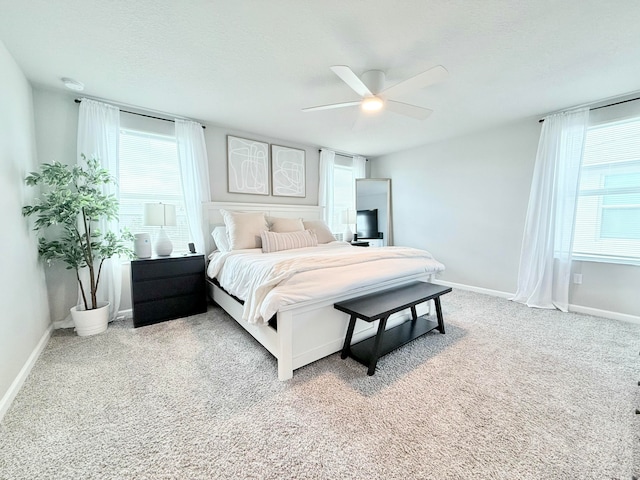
414, 313
346, 348
439, 314
376, 347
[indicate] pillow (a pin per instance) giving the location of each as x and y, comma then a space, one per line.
244, 228
221, 239
282, 225
275, 242
320, 229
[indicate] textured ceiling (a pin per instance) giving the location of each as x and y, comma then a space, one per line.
253, 65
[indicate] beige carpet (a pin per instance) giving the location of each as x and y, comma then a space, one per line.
508, 393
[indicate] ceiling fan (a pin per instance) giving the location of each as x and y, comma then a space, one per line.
370, 86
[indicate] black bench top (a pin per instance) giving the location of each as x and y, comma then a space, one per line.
380, 304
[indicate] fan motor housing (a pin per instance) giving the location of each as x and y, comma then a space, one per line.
374, 80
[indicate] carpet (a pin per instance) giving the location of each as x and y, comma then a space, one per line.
508, 393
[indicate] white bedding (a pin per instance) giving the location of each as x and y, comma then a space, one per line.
269, 281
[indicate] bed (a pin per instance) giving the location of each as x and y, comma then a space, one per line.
285, 300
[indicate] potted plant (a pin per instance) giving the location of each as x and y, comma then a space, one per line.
71, 203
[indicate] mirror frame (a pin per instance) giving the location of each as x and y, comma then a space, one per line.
389, 233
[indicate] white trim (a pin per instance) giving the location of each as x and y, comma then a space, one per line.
486, 291
595, 258
604, 313
572, 308
7, 399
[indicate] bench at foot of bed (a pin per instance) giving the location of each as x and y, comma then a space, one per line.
381, 305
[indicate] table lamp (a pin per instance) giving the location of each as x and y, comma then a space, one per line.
161, 215
348, 217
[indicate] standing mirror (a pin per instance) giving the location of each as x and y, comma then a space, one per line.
373, 216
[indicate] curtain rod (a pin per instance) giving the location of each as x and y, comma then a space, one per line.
605, 106
77, 100
343, 154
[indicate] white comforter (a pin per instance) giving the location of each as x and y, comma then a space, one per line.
268, 281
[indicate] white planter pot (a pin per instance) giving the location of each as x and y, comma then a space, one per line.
90, 322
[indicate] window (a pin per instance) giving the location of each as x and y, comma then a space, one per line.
608, 211
149, 173
343, 193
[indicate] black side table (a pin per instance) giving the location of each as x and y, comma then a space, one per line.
163, 288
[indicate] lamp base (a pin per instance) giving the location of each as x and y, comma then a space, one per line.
347, 236
163, 245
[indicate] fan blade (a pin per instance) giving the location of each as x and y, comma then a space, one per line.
330, 106
409, 110
422, 80
351, 79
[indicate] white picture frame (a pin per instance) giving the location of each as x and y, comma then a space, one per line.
247, 166
288, 172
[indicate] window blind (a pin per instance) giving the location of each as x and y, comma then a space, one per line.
608, 211
149, 173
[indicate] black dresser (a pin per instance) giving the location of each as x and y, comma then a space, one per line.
163, 288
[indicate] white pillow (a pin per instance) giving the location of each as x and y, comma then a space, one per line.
320, 228
244, 228
275, 242
282, 225
221, 239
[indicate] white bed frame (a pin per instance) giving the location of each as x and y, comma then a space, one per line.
306, 331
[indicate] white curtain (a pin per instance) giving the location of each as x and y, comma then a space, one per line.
545, 261
359, 167
194, 173
98, 135
325, 187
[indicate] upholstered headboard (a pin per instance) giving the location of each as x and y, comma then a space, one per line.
213, 217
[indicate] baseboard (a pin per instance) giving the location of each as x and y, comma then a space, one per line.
596, 312
486, 291
7, 399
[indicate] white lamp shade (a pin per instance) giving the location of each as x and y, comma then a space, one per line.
159, 215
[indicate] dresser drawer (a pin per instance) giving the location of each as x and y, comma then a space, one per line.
147, 313
154, 289
166, 267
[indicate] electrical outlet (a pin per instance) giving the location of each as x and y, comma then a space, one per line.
577, 278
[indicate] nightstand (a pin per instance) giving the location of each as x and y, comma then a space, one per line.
163, 288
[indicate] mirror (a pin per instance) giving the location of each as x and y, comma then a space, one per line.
373, 206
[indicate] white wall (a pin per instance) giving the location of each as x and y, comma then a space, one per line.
24, 321
216, 139
56, 120
465, 200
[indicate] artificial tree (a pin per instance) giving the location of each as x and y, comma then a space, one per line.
72, 202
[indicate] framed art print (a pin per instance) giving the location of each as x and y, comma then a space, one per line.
287, 171
247, 166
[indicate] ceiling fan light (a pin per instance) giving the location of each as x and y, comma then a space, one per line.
372, 104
